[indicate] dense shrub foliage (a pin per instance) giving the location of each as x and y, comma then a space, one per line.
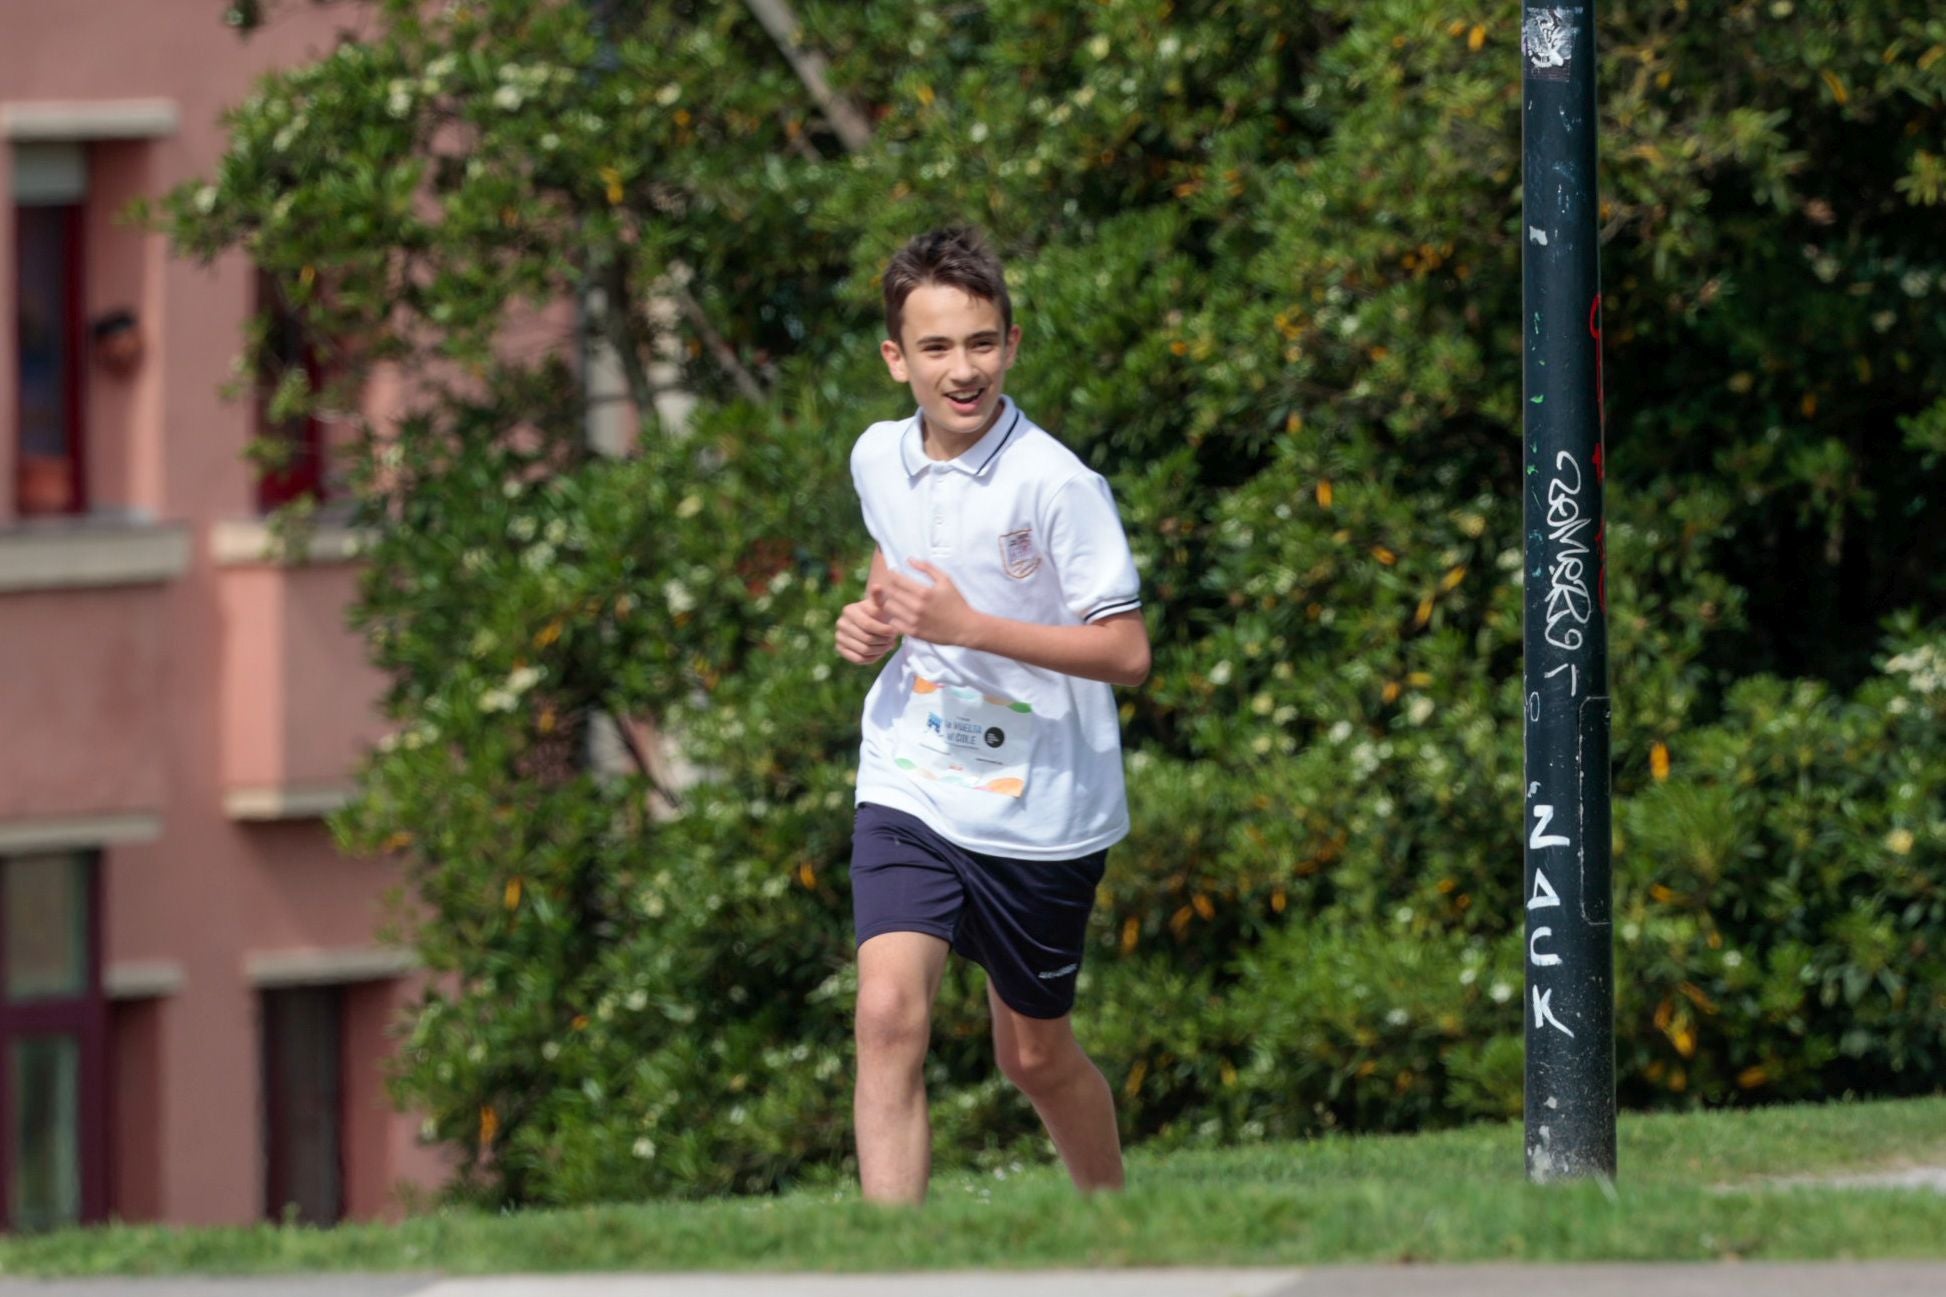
1267, 262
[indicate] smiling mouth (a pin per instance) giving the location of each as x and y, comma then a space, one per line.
966, 402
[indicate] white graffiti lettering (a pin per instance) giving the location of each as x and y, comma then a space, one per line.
1568, 596
1544, 1014
1541, 837
1536, 957
1544, 897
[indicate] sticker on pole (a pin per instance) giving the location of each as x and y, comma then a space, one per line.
1547, 38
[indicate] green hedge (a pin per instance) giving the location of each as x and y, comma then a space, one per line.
1267, 260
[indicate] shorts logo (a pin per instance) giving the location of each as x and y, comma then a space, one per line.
1059, 972
1017, 554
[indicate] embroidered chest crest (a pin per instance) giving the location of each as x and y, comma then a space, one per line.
1017, 553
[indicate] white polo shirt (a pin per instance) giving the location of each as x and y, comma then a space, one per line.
997, 755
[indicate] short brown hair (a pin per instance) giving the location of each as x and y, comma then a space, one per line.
957, 255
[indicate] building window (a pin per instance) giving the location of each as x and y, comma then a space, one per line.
53, 1042
303, 1056
293, 455
50, 330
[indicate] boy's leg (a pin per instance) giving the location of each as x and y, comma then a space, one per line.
898, 978
1042, 1057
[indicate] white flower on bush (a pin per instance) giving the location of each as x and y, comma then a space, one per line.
508, 98
1220, 673
205, 199
644, 1148
1418, 709
1924, 664
678, 597
1468, 976
1500, 993
1397, 1018
506, 696
398, 98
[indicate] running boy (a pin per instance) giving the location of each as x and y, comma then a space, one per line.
990, 771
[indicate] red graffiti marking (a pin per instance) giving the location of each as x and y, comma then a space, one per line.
1594, 331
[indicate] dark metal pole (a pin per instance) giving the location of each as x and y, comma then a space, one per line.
1570, 1003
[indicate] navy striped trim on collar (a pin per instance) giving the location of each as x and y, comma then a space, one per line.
1004, 439
913, 458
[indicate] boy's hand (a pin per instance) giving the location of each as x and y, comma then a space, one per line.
938, 612
863, 637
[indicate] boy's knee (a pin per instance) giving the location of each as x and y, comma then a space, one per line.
1037, 1066
891, 1020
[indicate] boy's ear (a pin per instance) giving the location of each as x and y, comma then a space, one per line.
894, 360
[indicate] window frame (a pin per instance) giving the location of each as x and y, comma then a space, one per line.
83, 1016
305, 475
74, 285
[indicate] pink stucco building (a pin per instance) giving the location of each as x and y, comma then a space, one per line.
193, 1007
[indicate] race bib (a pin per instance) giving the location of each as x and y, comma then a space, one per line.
953, 735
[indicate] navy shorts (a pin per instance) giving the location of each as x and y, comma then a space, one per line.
1024, 921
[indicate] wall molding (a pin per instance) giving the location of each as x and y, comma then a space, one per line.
142, 979
91, 553
77, 832
285, 801
239, 542
89, 119
272, 969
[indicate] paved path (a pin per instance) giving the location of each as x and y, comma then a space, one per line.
1815, 1279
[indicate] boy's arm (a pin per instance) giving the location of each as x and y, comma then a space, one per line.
1114, 649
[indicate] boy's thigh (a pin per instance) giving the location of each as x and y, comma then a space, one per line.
903, 878
1026, 923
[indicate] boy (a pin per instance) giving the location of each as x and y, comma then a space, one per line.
990, 771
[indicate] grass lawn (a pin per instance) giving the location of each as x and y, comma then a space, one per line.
1690, 1187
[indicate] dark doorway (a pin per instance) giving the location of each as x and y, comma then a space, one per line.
304, 1104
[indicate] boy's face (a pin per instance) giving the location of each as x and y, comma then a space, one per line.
955, 353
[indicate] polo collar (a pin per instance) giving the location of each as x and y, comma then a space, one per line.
975, 459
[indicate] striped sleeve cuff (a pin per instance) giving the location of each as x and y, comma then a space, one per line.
1112, 607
